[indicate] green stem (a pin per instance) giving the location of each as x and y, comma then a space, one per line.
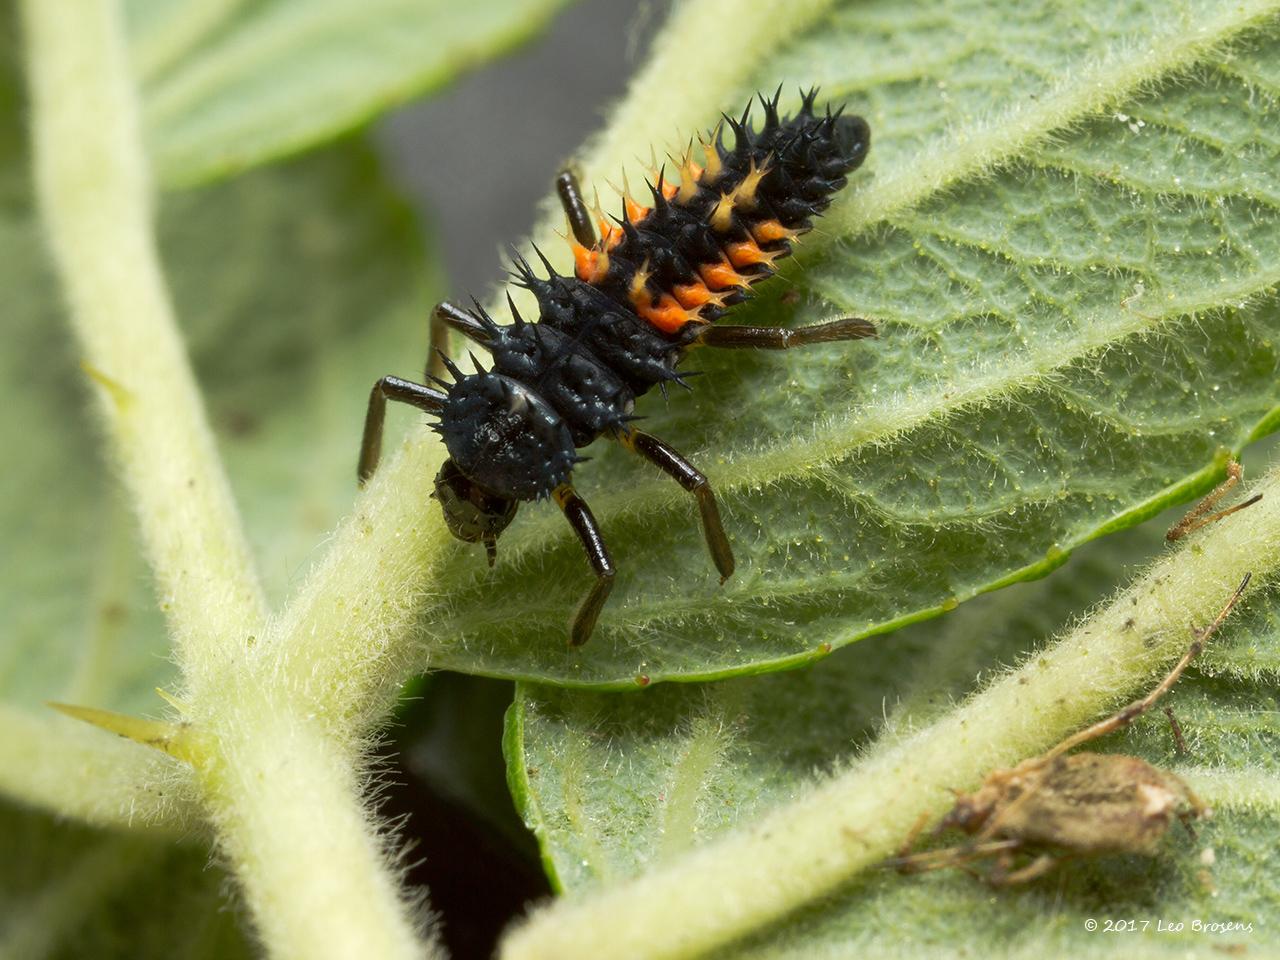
284, 796
340, 643
1247, 790
286, 802
95, 198
56, 763
805, 849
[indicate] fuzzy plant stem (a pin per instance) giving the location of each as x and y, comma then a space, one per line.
95, 198
284, 794
806, 849
55, 763
285, 803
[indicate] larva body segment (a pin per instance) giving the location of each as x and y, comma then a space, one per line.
645, 291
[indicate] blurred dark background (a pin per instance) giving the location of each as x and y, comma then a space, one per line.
476, 161
477, 158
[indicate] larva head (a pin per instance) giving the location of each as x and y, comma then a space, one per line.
472, 514
505, 437
506, 444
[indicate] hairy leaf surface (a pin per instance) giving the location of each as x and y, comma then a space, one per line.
1068, 234
613, 785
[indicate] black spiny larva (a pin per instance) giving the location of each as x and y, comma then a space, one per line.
646, 291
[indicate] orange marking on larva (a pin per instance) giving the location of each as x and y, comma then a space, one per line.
745, 254
771, 231
669, 189
610, 235
692, 294
639, 293
592, 264
636, 211
668, 316
721, 276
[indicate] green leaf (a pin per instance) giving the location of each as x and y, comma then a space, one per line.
68, 892
615, 785
1070, 241
231, 84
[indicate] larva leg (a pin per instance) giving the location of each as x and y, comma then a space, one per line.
390, 388
584, 525
674, 465
575, 208
784, 338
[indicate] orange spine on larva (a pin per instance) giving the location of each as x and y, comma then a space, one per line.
721, 225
